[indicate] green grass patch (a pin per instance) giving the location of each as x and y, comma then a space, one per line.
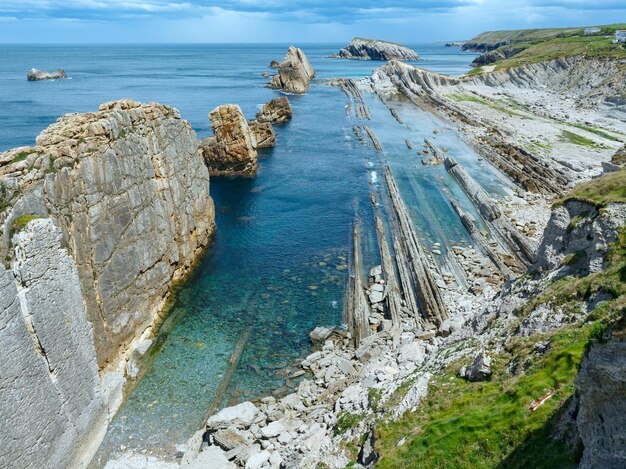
486, 425
20, 223
347, 421
577, 139
374, 396
609, 188
21, 156
500, 106
597, 131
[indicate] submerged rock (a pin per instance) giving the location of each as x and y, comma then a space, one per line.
294, 73
275, 111
232, 149
374, 49
36, 75
263, 133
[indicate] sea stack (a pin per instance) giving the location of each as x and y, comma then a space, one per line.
374, 49
37, 75
275, 111
294, 72
232, 149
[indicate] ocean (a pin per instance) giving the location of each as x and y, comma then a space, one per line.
278, 264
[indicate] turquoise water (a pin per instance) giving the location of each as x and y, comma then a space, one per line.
277, 267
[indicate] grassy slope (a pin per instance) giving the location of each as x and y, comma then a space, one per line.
488, 425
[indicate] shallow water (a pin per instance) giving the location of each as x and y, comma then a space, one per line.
277, 267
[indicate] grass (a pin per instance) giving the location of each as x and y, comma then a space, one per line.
576, 139
21, 156
588, 46
347, 421
610, 188
597, 131
463, 424
501, 106
20, 223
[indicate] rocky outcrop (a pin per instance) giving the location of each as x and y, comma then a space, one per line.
97, 221
275, 111
232, 149
479, 370
578, 236
294, 73
373, 49
36, 75
263, 133
619, 158
487, 58
601, 387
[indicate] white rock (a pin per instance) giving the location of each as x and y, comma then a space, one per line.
273, 429
257, 460
241, 415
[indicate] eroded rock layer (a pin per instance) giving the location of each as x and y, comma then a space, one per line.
294, 72
373, 49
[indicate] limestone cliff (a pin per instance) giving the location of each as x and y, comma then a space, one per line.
294, 72
97, 221
373, 49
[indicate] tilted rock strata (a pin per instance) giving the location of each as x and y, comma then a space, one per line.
275, 111
371, 49
125, 198
232, 149
36, 75
263, 133
294, 73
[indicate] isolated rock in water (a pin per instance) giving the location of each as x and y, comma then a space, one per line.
275, 111
274, 64
36, 75
242, 415
294, 73
479, 370
232, 149
487, 58
373, 49
263, 133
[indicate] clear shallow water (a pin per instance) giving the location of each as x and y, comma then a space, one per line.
277, 266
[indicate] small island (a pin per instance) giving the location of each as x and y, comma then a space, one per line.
375, 49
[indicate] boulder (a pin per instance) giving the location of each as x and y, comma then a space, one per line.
36, 75
274, 64
275, 111
232, 149
479, 370
374, 49
263, 133
212, 457
257, 460
294, 73
242, 415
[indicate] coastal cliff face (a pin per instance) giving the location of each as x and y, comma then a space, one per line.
294, 72
97, 221
371, 49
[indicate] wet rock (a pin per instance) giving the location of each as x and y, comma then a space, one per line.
275, 111
232, 149
36, 75
274, 64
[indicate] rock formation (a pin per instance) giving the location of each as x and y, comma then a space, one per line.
275, 111
97, 221
263, 133
374, 49
232, 149
294, 73
36, 75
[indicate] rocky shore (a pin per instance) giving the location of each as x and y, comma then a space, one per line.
294, 72
374, 49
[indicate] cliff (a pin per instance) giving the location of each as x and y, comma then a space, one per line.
294, 72
98, 219
374, 49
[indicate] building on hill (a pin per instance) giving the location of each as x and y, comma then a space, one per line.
592, 30
620, 36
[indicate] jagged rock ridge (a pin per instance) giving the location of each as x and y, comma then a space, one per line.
294, 72
374, 49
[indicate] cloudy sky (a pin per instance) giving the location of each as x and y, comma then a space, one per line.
86, 21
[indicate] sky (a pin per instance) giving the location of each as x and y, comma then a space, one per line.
295, 21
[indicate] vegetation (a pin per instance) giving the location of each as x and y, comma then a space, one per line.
610, 188
594, 130
489, 424
4, 197
347, 421
577, 139
20, 223
374, 396
21, 156
501, 106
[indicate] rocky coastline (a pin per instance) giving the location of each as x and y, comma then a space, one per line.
374, 49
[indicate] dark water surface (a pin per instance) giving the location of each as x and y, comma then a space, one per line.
277, 267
